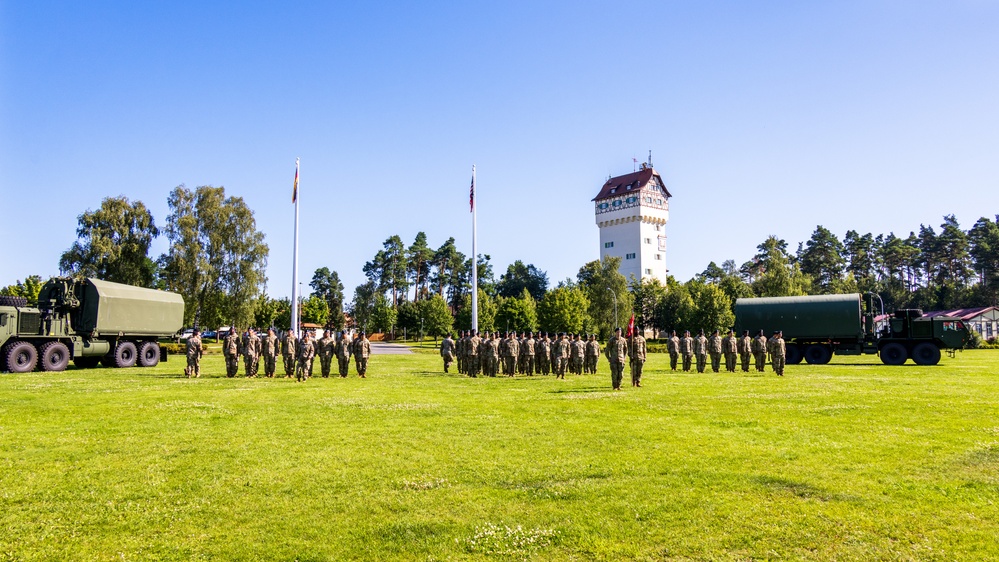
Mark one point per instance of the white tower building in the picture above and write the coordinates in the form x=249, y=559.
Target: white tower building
x=631, y=211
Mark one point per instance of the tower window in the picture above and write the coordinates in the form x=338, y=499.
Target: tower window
x=648, y=272
x=631, y=200
x=648, y=199
x=603, y=205
x=617, y=203
x=614, y=190
x=659, y=227
x=659, y=256
x=608, y=244
x=648, y=240
x=629, y=256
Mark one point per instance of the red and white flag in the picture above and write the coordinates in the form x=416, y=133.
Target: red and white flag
x=294, y=190
x=631, y=326
x=471, y=195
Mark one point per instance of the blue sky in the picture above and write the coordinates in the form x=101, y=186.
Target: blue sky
x=763, y=118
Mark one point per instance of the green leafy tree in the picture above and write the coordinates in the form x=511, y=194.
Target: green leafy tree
x=648, y=296
x=487, y=313
x=823, y=260
x=517, y=313
x=603, y=283
x=984, y=251
x=860, y=259
x=712, y=307
x=487, y=280
x=778, y=278
x=450, y=277
x=677, y=310
x=282, y=319
x=29, y=289
x=419, y=258
x=315, y=310
x=437, y=319
x=113, y=244
x=564, y=309
x=217, y=257
x=327, y=286
x=265, y=312
x=383, y=314
x=388, y=269
x=363, y=304
x=518, y=277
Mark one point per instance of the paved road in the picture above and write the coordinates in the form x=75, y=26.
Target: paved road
x=382, y=348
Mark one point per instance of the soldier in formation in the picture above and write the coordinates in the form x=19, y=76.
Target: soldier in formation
x=730, y=348
x=490, y=354
x=529, y=353
x=745, y=350
x=474, y=362
x=194, y=353
x=289, y=349
x=686, y=350
x=251, y=353
x=715, y=350
x=460, y=351
x=578, y=351
x=511, y=353
x=778, y=353
x=673, y=347
x=305, y=353
x=636, y=355
x=543, y=352
x=562, y=355
x=271, y=349
x=230, y=351
x=760, y=349
x=592, y=355
x=342, y=351
x=362, y=350
x=617, y=352
x=447, y=351
x=701, y=351
x=324, y=349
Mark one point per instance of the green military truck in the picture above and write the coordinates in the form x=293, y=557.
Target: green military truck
x=87, y=321
x=816, y=327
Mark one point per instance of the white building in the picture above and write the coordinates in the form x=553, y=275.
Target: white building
x=631, y=211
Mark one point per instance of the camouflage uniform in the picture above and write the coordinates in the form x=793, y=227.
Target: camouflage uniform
x=561, y=355
x=778, y=354
x=362, y=350
x=271, y=348
x=342, y=351
x=578, y=352
x=251, y=353
x=686, y=350
x=194, y=353
x=592, y=355
x=636, y=353
x=745, y=350
x=715, y=350
x=289, y=348
x=701, y=351
x=673, y=347
x=617, y=352
x=230, y=350
x=528, y=352
x=473, y=354
x=447, y=352
x=760, y=348
x=542, y=354
x=324, y=349
x=730, y=348
x=491, y=355
x=306, y=352
x=511, y=353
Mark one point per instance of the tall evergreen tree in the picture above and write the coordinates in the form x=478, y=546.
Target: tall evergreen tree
x=822, y=259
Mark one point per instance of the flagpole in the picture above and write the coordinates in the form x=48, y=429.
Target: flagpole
x=475, y=263
x=294, y=270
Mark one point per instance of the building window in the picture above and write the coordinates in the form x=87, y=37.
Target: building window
x=659, y=227
x=603, y=205
x=648, y=272
x=648, y=199
x=648, y=240
x=608, y=244
x=659, y=201
x=629, y=256
x=617, y=203
x=659, y=256
x=614, y=190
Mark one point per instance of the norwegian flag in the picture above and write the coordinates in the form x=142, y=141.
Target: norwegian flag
x=631, y=326
x=471, y=194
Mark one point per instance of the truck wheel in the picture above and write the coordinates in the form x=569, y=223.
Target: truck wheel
x=21, y=357
x=124, y=354
x=926, y=353
x=792, y=354
x=818, y=354
x=86, y=362
x=149, y=354
x=16, y=302
x=54, y=356
x=894, y=354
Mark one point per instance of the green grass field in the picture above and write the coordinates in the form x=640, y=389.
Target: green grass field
x=849, y=461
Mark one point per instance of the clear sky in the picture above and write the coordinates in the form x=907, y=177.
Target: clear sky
x=762, y=117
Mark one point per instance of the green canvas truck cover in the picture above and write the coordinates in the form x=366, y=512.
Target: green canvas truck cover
x=819, y=316
x=113, y=308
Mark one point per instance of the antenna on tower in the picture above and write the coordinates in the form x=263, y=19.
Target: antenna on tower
x=650, y=157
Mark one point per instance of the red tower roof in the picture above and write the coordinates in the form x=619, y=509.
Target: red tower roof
x=629, y=183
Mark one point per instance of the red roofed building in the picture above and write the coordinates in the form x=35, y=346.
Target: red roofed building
x=631, y=212
x=983, y=319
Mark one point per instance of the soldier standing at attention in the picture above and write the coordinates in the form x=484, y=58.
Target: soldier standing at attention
x=542, y=353
x=578, y=353
x=730, y=348
x=561, y=355
x=617, y=353
x=636, y=353
x=305, y=353
x=342, y=351
x=251, y=353
x=491, y=355
x=778, y=353
x=715, y=349
x=745, y=350
x=686, y=350
x=529, y=353
x=592, y=355
x=325, y=352
x=289, y=349
x=230, y=350
x=194, y=353
x=474, y=362
x=512, y=353
x=701, y=351
x=673, y=347
x=271, y=348
x=760, y=348
x=362, y=350
x=447, y=351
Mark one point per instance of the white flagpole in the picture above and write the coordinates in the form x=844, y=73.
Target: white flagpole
x=475, y=264
x=294, y=270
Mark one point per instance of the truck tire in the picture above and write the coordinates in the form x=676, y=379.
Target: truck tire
x=20, y=357
x=124, y=354
x=17, y=302
x=149, y=354
x=54, y=356
x=792, y=354
x=926, y=353
x=817, y=354
x=86, y=362
x=893, y=354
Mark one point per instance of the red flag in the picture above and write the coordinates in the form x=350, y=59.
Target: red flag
x=294, y=190
x=631, y=326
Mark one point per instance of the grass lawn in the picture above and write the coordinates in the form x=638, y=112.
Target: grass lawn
x=849, y=461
